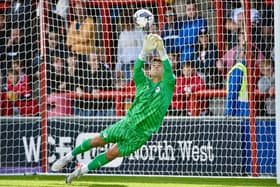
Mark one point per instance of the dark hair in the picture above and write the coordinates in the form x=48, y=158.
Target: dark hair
x=146, y=66
x=155, y=59
x=173, y=10
x=11, y=70
x=131, y=65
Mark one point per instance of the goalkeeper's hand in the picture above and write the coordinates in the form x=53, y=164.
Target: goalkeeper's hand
x=147, y=47
x=158, y=43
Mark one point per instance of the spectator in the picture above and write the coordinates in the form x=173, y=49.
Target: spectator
x=55, y=9
x=81, y=34
x=129, y=45
x=266, y=84
x=237, y=101
x=20, y=13
x=170, y=32
x=129, y=87
x=185, y=86
x=267, y=42
x=188, y=34
x=55, y=20
x=120, y=80
x=101, y=74
x=176, y=66
x=231, y=29
x=154, y=29
x=52, y=18
x=56, y=74
x=206, y=56
x=55, y=50
x=19, y=31
x=55, y=41
x=18, y=98
x=54, y=23
x=71, y=80
x=255, y=23
x=233, y=56
x=15, y=46
x=236, y=21
x=238, y=17
x=95, y=77
x=237, y=88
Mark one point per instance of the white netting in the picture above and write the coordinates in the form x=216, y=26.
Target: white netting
x=89, y=48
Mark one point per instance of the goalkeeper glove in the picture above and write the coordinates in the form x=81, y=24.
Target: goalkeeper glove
x=158, y=43
x=147, y=47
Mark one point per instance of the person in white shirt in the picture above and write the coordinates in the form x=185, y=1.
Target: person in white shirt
x=129, y=46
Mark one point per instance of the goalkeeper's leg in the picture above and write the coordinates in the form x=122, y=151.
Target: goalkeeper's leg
x=99, y=161
x=86, y=145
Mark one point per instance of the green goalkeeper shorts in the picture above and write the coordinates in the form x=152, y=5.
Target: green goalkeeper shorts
x=128, y=140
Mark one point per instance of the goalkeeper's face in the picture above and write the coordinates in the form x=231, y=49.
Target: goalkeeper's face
x=156, y=69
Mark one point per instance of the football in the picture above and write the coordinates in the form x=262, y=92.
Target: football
x=143, y=19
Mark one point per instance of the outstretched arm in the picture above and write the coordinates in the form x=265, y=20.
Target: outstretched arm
x=168, y=77
x=138, y=73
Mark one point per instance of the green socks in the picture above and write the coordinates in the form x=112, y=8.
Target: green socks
x=98, y=161
x=83, y=147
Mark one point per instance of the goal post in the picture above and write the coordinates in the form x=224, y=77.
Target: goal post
x=43, y=87
x=277, y=77
x=250, y=62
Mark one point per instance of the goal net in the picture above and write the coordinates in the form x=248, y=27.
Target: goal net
x=67, y=73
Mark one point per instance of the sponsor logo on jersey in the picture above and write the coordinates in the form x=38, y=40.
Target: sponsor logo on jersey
x=157, y=89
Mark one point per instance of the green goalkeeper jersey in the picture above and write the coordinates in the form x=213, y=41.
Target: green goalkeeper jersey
x=151, y=100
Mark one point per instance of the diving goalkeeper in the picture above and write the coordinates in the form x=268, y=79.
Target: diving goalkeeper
x=152, y=99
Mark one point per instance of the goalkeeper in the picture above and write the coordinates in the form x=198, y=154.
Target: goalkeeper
x=152, y=99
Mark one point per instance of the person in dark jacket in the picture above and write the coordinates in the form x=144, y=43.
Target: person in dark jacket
x=56, y=73
x=94, y=77
x=188, y=34
x=19, y=18
x=171, y=30
x=206, y=56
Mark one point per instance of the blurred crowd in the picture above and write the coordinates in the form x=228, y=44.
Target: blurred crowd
x=76, y=59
